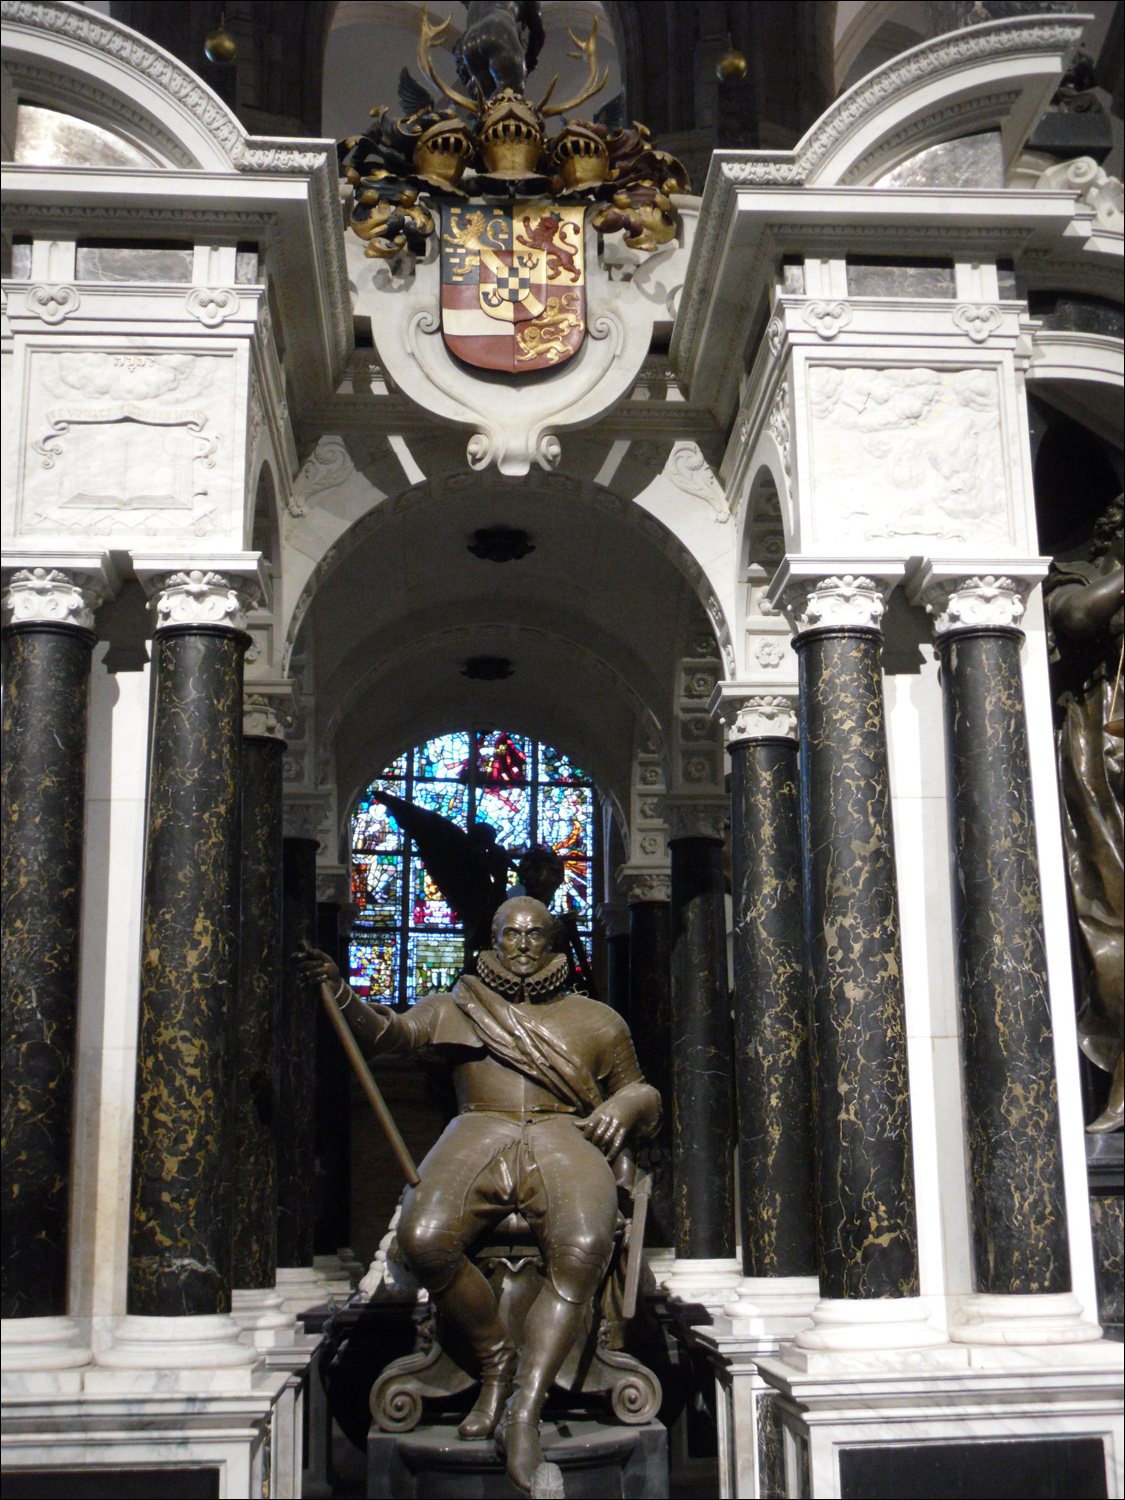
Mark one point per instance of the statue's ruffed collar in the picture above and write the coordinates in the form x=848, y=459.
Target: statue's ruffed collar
x=545, y=985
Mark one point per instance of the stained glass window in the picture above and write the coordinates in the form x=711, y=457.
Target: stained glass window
x=406, y=940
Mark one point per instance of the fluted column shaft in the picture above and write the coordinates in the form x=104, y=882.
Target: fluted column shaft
x=867, y=1232
x=650, y=1020
x=771, y=1001
x=297, y=1048
x=255, y=1068
x=180, y=1245
x=1012, y=1120
x=702, y=1047
x=46, y=689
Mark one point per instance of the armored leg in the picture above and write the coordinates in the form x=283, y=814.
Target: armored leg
x=456, y=1198
x=570, y=1198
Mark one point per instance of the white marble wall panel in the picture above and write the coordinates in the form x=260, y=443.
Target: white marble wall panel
x=140, y=441
x=109, y=993
x=917, y=769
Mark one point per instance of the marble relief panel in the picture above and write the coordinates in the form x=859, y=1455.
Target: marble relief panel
x=131, y=442
x=907, y=452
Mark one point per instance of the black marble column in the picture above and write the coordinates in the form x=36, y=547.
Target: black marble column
x=773, y=1080
x=46, y=687
x=180, y=1246
x=297, y=1049
x=255, y=1062
x=702, y=1054
x=867, y=1232
x=650, y=1020
x=1017, y=1192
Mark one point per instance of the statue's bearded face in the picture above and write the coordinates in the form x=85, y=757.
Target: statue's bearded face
x=523, y=943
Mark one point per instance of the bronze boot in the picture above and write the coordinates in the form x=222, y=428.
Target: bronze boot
x=548, y=1332
x=498, y=1368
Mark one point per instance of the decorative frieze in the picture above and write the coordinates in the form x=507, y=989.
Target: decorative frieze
x=260, y=717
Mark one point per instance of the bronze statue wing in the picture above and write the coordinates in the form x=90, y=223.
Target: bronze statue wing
x=453, y=862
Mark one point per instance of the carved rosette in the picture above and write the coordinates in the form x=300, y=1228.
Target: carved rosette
x=53, y=596
x=199, y=597
x=845, y=602
x=768, y=717
x=695, y=817
x=988, y=602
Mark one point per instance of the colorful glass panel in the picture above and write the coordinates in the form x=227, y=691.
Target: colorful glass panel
x=565, y=819
x=503, y=759
x=377, y=889
x=555, y=766
x=508, y=809
x=373, y=965
x=374, y=829
x=446, y=757
x=449, y=798
x=436, y=959
x=427, y=909
x=574, y=894
x=406, y=939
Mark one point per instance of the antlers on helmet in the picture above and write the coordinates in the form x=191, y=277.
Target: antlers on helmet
x=431, y=35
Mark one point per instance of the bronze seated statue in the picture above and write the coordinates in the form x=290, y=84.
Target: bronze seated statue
x=515, y=1228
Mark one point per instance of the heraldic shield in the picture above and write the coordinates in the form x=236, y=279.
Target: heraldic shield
x=513, y=284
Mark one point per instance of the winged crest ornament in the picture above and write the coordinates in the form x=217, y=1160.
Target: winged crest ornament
x=515, y=206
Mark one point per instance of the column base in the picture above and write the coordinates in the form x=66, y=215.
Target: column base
x=1015, y=1321
x=772, y=1305
x=872, y=1333
x=43, y=1355
x=303, y=1287
x=698, y=1282
x=260, y=1315
x=202, y=1353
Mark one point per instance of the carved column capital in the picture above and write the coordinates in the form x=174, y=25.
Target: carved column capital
x=759, y=716
x=262, y=717
x=643, y=883
x=216, y=591
x=841, y=594
x=199, y=597
x=66, y=594
x=959, y=598
x=695, y=817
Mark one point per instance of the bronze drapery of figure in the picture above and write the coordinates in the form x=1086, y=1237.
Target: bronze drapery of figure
x=1084, y=602
x=549, y=1093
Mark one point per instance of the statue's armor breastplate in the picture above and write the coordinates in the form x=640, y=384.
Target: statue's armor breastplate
x=486, y=1084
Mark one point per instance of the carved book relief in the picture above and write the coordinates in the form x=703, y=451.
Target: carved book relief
x=125, y=443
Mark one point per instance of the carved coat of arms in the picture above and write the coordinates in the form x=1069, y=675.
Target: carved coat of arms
x=513, y=284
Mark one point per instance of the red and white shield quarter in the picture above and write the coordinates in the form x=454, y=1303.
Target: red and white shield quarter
x=513, y=285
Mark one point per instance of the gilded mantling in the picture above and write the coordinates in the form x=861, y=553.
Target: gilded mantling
x=494, y=145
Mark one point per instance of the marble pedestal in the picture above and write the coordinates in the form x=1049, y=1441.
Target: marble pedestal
x=296, y=1361
x=161, y=1433
x=754, y=1326
x=928, y=1421
x=599, y=1460
x=697, y=1282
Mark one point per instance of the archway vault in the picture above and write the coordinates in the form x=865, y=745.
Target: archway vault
x=591, y=623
